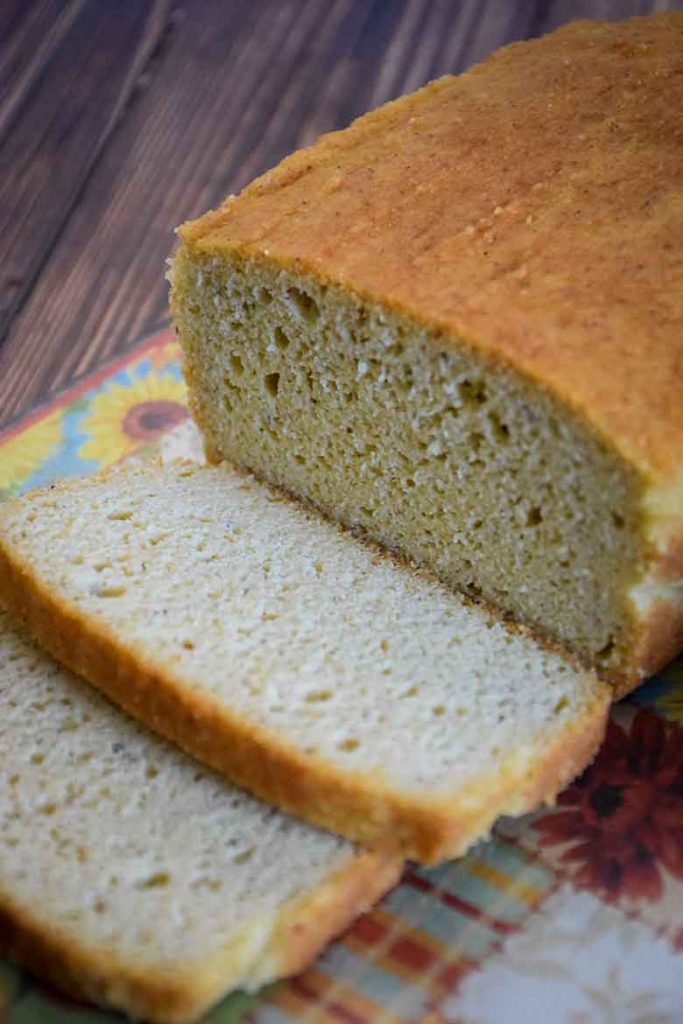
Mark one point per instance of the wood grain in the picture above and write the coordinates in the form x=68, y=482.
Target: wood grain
x=111, y=147
x=59, y=130
x=29, y=35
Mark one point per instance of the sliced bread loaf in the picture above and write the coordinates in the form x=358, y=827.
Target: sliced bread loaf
x=134, y=878
x=307, y=666
x=436, y=326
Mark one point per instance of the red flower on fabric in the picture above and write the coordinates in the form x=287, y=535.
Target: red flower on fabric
x=624, y=816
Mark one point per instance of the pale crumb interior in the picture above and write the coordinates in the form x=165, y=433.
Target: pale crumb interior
x=459, y=464
x=118, y=842
x=282, y=618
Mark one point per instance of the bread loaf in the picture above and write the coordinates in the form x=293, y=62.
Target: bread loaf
x=456, y=326
x=134, y=878
x=307, y=666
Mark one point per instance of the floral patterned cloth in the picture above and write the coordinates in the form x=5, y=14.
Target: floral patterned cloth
x=573, y=915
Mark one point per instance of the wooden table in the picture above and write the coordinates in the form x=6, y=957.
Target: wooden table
x=120, y=119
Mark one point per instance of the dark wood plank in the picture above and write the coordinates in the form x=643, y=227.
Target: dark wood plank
x=236, y=85
x=235, y=89
x=61, y=121
x=29, y=35
x=553, y=13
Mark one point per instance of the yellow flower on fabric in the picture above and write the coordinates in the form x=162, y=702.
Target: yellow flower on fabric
x=23, y=453
x=123, y=417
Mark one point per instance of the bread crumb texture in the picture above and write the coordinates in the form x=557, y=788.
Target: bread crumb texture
x=456, y=325
x=315, y=669
x=131, y=874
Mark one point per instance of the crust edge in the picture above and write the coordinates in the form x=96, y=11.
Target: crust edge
x=361, y=808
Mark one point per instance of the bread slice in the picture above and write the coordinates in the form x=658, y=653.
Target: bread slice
x=307, y=666
x=131, y=876
x=456, y=325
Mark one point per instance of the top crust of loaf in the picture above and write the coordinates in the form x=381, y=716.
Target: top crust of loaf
x=530, y=207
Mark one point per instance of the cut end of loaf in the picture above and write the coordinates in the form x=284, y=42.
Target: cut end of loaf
x=435, y=326
x=440, y=454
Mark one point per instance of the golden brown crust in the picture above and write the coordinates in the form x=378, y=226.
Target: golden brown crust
x=659, y=638
x=530, y=208
x=305, y=926
x=358, y=806
x=299, y=932
x=95, y=975
x=669, y=563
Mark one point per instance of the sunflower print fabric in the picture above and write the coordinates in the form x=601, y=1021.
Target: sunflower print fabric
x=131, y=412
x=24, y=451
x=572, y=915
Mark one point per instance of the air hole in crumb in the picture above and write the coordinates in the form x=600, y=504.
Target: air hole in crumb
x=237, y=365
x=349, y=744
x=109, y=590
x=534, y=516
x=302, y=304
x=501, y=431
x=151, y=771
x=243, y=856
x=264, y=296
x=280, y=338
x=476, y=440
x=37, y=759
x=188, y=645
x=120, y=515
x=101, y=907
x=439, y=710
x=472, y=393
x=412, y=692
x=560, y=706
x=272, y=383
x=156, y=881
x=384, y=644
x=618, y=520
x=300, y=459
x=605, y=652
x=318, y=696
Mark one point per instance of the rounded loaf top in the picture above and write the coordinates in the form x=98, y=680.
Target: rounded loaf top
x=531, y=208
